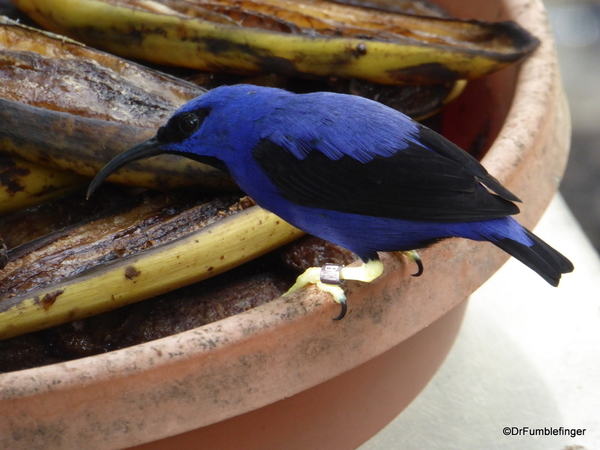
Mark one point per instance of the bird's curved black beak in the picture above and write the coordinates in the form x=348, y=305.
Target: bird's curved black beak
x=146, y=149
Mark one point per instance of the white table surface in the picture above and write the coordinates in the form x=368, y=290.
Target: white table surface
x=527, y=355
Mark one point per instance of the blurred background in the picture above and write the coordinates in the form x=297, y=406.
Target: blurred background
x=576, y=27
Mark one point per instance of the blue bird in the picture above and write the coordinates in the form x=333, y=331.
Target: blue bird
x=351, y=171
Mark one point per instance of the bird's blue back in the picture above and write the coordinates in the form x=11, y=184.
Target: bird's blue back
x=330, y=123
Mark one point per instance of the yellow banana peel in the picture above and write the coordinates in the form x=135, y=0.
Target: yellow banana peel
x=376, y=47
x=24, y=184
x=209, y=251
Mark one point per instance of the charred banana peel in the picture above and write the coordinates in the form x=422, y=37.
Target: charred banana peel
x=66, y=110
x=81, y=145
x=208, y=251
x=288, y=36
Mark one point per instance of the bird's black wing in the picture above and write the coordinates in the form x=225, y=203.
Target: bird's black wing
x=444, y=147
x=414, y=183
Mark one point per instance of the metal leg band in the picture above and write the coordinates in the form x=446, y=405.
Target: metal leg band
x=332, y=274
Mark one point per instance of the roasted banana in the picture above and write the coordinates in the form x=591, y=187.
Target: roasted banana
x=288, y=36
x=68, y=107
x=228, y=241
x=83, y=146
x=53, y=72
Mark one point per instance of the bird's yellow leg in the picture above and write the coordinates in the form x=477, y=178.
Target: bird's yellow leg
x=329, y=278
x=367, y=272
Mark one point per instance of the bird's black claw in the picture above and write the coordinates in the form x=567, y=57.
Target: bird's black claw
x=344, y=306
x=413, y=256
x=420, y=269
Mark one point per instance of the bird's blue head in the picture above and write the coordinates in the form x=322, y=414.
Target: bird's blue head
x=219, y=124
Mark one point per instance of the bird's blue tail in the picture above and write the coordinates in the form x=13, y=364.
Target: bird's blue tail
x=540, y=257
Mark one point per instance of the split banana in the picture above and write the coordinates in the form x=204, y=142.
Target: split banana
x=288, y=36
x=53, y=72
x=66, y=109
x=81, y=145
x=203, y=253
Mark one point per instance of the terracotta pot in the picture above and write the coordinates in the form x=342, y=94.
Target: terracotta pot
x=284, y=375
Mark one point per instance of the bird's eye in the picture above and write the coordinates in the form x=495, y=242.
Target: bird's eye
x=188, y=123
